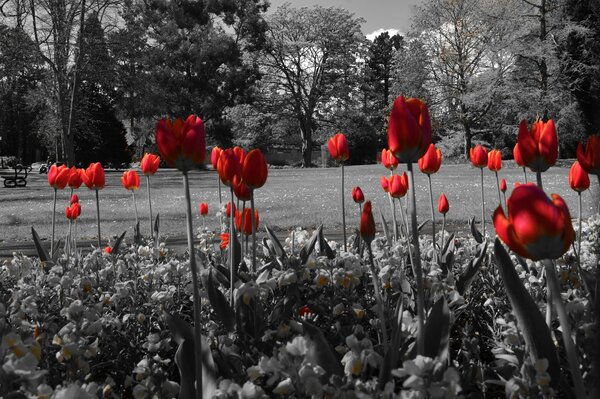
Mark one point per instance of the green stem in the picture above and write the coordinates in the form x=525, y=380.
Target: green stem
x=378, y=298
x=498, y=185
x=253, y=232
x=359, y=217
x=565, y=325
x=242, y=217
x=232, y=234
x=579, y=228
x=598, y=176
x=505, y=206
x=417, y=264
x=525, y=173
x=434, y=258
x=150, y=207
x=538, y=178
x=135, y=208
x=69, y=240
x=344, y=212
x=220, y=202
x=196, y=288
x=393, y=208
x=53, y=224
x=443, y=228
x=404, y=221
x=98, y=218
x=482, y=206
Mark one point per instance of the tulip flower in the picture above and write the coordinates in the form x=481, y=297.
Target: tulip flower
x=579, y=181
x=519, y=159
x=384, y=183
x=182, y=144
x=72, y=212
x=357, y=195
x=367, y=224
x=479, y=159
x=243, y=221
x=254, y=173
x=228, y=209
x=241, y=190
x=58, y=177
x=589, y=158
x=240, y=154
x=131, y=181
x=503, y=189
x=75, y=179
x=430, y=163
x=203, y=208
x=443, y=208
x=108, y=250
x=398, y=185
x=74, y=199
x=388, y=159
x=93, y=178
x=224, y=240
x=149, y=165
x=338, y=149
x=495, y=164
x=215, y=154
x=538, y=146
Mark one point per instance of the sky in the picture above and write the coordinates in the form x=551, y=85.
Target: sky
x=379, y=14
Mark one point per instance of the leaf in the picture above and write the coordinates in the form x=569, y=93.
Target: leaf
x=185, y=360
x=156, y=229
x=530, y=320
x=41, y=251
x=309, y=247
x=390, y=360
x=234, y=249
x=117, y=246
x=276, y=244
x=476, y=234
x=467, y=276
x=447, y=255
x=137, y=237
x=522, y=262
x=437, y=331
x=386, y=231
x=320, y=352
x=219, y=304
x=56, y=253
x=422, y=225
x=324, y=246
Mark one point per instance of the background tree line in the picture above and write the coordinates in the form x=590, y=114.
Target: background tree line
x=85, y=80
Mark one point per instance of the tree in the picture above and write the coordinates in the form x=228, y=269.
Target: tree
x=379, y=67
x=310, y=63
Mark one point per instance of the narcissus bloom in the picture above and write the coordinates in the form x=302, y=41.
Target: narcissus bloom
x=388, y=159
x=517, y=156
x=75, y=177
x=254, y=169
x=384, y=183
x=58, y=176
x=503, y=185
x=181, y=143
x=247, y=228
x=409, y=129
x=589, y=159
x=398, y=185
x=431, y=161
x=443, y=205
x=338, y=147
x=203, y=208
x=241, y=190
x=228, y=166
x=73, y=211
x=149, y=164
x=357, y=195
x=130, y=180
x=537, y=227
x=367, y=224
x=538, y=146
x=479, y=156
x=93, y=176
x=214, y=156
x=578, y=178
x=494, y=160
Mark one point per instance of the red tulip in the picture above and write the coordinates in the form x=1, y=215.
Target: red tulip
x=228, y=166
x=75, y=177
x=517, y=156
x=241, y=190
x=432, y=160
x=224, y=240
x=93, y=176
x=304, y=311
x=338, y=147
x=537, y=227
x=214, y=156
x=254, y=169
x=247, y=230
x=357, y=195
x=539, y=145
x=590, y=158
x=443, y=205
x=398, y=185
x=388, y=159
x=228, y=209
x=494, y=160
x=74, y=199
x=503, y=185
x=384, y=183
x=149, y=164
x=203, y=208
x=181, y=143
x=409, y=129
x=578, y=178
x=108, y=250
x=73, y=211
x=367, y=224
x=130, y=180
x=240, y=153
x=58, y=176
x=479, y=156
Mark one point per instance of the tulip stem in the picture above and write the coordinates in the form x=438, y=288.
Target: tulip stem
x=417, y=265
x=404, y=221
x=538, y=177
x=525, y=173
x=443, y=228
x=482, y=205
x=253, y=232
x=98, y=218
x=135, y=208
x=69, y=240
x=150, y=207
x=242, y=229
x=579, y=232
x=505, y=206
x=598, y=176
x=498, y=186
x=378, y=298
x=393, y=209
x=434, y=258
x=232, y=249
x=53, y=224
x=220, y=202
x=195, y=286
x=343, y=212
x=359, y=239
x=565, y=324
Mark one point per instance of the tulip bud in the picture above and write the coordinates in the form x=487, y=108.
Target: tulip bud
x=494, y=160
x=539, y=145
x=367, y=224
x=517, y=156
x=357, y=195
x=254, y=169
x=224, y=240
x=150, y=164
x=247, y=215
x=108, y=250
x=228, y=209
x=58, y=176
x=130, y=180
x=203, y=208
x=74, y=199
x=338, y=147
x=589, y=159
x=443, y=205
x=503, y=185
x=409, y=129
x=388, y=159
x=398, y=185
x=479, y=156
x=214, y=156
x=578, y=178
x=93, y=177
x=384, y=183
x=431, y=161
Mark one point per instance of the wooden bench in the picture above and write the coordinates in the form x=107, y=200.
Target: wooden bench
x=17, y=178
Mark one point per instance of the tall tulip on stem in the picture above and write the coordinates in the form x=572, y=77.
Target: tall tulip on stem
x=94, y=179
x=428, y=164
x=443, y=208
x=503, y=189
x=72, y=212
x=538, y=146
x=149, y=165
x=254, y=174
x=338, y=148
x=203, y=213
x=389, y=161
x=397, y=189
x=589, y=158
x=131, y=181
x=243, y=193
x=519, y=160
x=479, y=159
x=58, y=177
x=358, y=197
x=409, y=136
x=181, y=144
x=495, y=164
x=579, y=181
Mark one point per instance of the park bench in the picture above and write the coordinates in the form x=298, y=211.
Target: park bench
x=16, y=178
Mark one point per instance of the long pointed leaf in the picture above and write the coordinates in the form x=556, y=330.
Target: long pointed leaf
x=219, y=304
x=465, y=279
x=320, y=352
x=275, y=241
x=437, y=331
x=41, y=251
x=390, y=360
x=324, y=246
x=386, y=231
x=117, y=246
x=474, y=231
x=309, y=247
x=156, y=229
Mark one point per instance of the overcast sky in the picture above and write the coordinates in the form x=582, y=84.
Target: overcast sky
x=378, y=14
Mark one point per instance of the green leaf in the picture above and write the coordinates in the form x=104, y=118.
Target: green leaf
x=234, y=249
x=156, y=229
x=390, y=360
x=117, y=246
x=309, y=247
x=324, y=246
x=276, y=244
x=422, y=225
x=476, y=233
x=467, y=276
x=41, y=251
x=56, y=253
x=437, y=331
x=219, y=304
x=320, y=352
x=531, y=322
x=386, y=231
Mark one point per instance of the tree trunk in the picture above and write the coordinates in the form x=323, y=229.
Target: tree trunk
x=468, y=138
x=307, y=144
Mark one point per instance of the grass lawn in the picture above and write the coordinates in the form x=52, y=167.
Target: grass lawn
x=290, y=198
